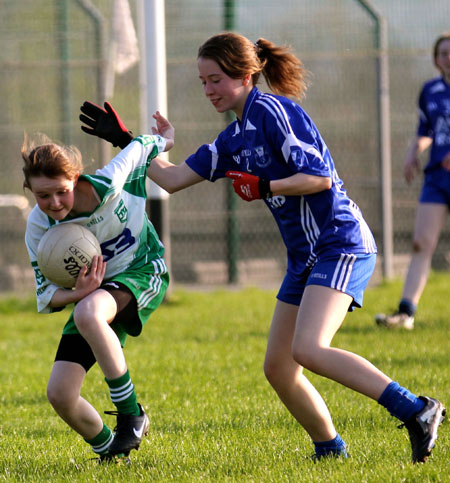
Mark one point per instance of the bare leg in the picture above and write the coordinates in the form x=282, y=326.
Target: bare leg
x=430, y=219
x=63, y=392
x=321, y=313
x=92, y=317
x=287, y=378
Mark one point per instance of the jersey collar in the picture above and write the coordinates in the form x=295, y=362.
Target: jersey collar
x=254, y=93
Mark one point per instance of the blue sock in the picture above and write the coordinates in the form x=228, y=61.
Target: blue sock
x=336, y=446
x=407, y=307
x=400, y=402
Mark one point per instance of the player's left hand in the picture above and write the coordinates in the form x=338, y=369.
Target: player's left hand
x=105, y=123
x=248, y=186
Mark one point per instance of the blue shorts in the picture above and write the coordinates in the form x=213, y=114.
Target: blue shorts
x=348, y=273
x=436, y=187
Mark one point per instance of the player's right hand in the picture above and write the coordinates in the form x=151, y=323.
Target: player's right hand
x=411, y=168
x=105, y=123
x=90, y=280
x=248, y=186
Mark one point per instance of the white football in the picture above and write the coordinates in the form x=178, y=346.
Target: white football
x=63, y=250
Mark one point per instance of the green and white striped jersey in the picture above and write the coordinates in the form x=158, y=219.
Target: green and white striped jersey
x=127, y=237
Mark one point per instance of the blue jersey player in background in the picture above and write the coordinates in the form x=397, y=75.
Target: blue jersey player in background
x=433, y=130
x=274, y=152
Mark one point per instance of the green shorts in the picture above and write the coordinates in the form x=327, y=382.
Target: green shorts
x=148, y=284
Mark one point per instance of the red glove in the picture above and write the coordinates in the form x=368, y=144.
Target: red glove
x=105, y=123
x=248, y=186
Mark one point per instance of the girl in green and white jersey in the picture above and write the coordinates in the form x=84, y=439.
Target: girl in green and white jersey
x=116, y=297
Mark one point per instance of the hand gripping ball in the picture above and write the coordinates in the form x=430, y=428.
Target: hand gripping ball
x=63, y=250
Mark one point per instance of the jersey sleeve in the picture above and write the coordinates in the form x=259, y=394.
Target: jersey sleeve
x=212, y=161
x=129, y=165
x=424, y=127
x=152, y=145
x=44, y=288
x=204, y=161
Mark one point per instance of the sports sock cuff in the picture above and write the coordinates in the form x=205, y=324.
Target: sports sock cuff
x=334, y=446
x=123, y=394
x=101, y=442
x=407, y=307
x=400, y=402
x=118, y=382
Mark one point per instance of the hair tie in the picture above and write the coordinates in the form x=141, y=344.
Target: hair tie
x=260, y=52
x=258, y=48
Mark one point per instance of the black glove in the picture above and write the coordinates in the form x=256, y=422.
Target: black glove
x=105, y=124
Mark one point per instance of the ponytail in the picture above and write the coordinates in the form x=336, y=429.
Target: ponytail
x=283, y=71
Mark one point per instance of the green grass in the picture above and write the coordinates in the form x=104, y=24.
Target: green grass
x=197, y=368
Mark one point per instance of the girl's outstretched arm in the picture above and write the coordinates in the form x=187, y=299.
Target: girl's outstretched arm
x=172, y=177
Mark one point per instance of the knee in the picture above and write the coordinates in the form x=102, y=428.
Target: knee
x=305, y=356
x=58, y=398
x=277, y=370
x=83, y=316
x=271, y=370
x=423, y=245
x=417, y=246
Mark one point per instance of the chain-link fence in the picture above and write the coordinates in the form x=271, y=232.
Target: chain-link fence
x=51, y=61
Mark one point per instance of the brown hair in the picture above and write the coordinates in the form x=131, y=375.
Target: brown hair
x=437, y=43
x=237, y=56
x=42, y=157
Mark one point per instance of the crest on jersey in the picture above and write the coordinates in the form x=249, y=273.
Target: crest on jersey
x=121, y=212
x=446, y=106
x=262, y=158
x=442, y=131
x=40, y=278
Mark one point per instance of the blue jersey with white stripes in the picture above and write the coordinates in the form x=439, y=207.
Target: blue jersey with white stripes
x=276, y=139
x=434, y=119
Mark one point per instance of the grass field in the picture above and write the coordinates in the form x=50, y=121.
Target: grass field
x=197, y=368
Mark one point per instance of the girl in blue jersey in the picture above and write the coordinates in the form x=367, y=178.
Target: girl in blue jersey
x=433, y=130
x=274, y=152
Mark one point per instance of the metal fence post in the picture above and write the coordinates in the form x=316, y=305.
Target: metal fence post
x=384, y=129
x=232, y=222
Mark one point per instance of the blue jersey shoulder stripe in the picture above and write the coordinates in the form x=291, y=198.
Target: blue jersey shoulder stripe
x=276, y=108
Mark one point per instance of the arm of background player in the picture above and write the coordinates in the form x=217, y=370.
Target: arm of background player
x=172, y=177
x=411, y=165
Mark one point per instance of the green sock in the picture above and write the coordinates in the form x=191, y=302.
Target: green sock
x=101, y=442
x=122, y=395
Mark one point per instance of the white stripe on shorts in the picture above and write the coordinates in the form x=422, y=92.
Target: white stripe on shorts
x=155, y=284
x=343, y=271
